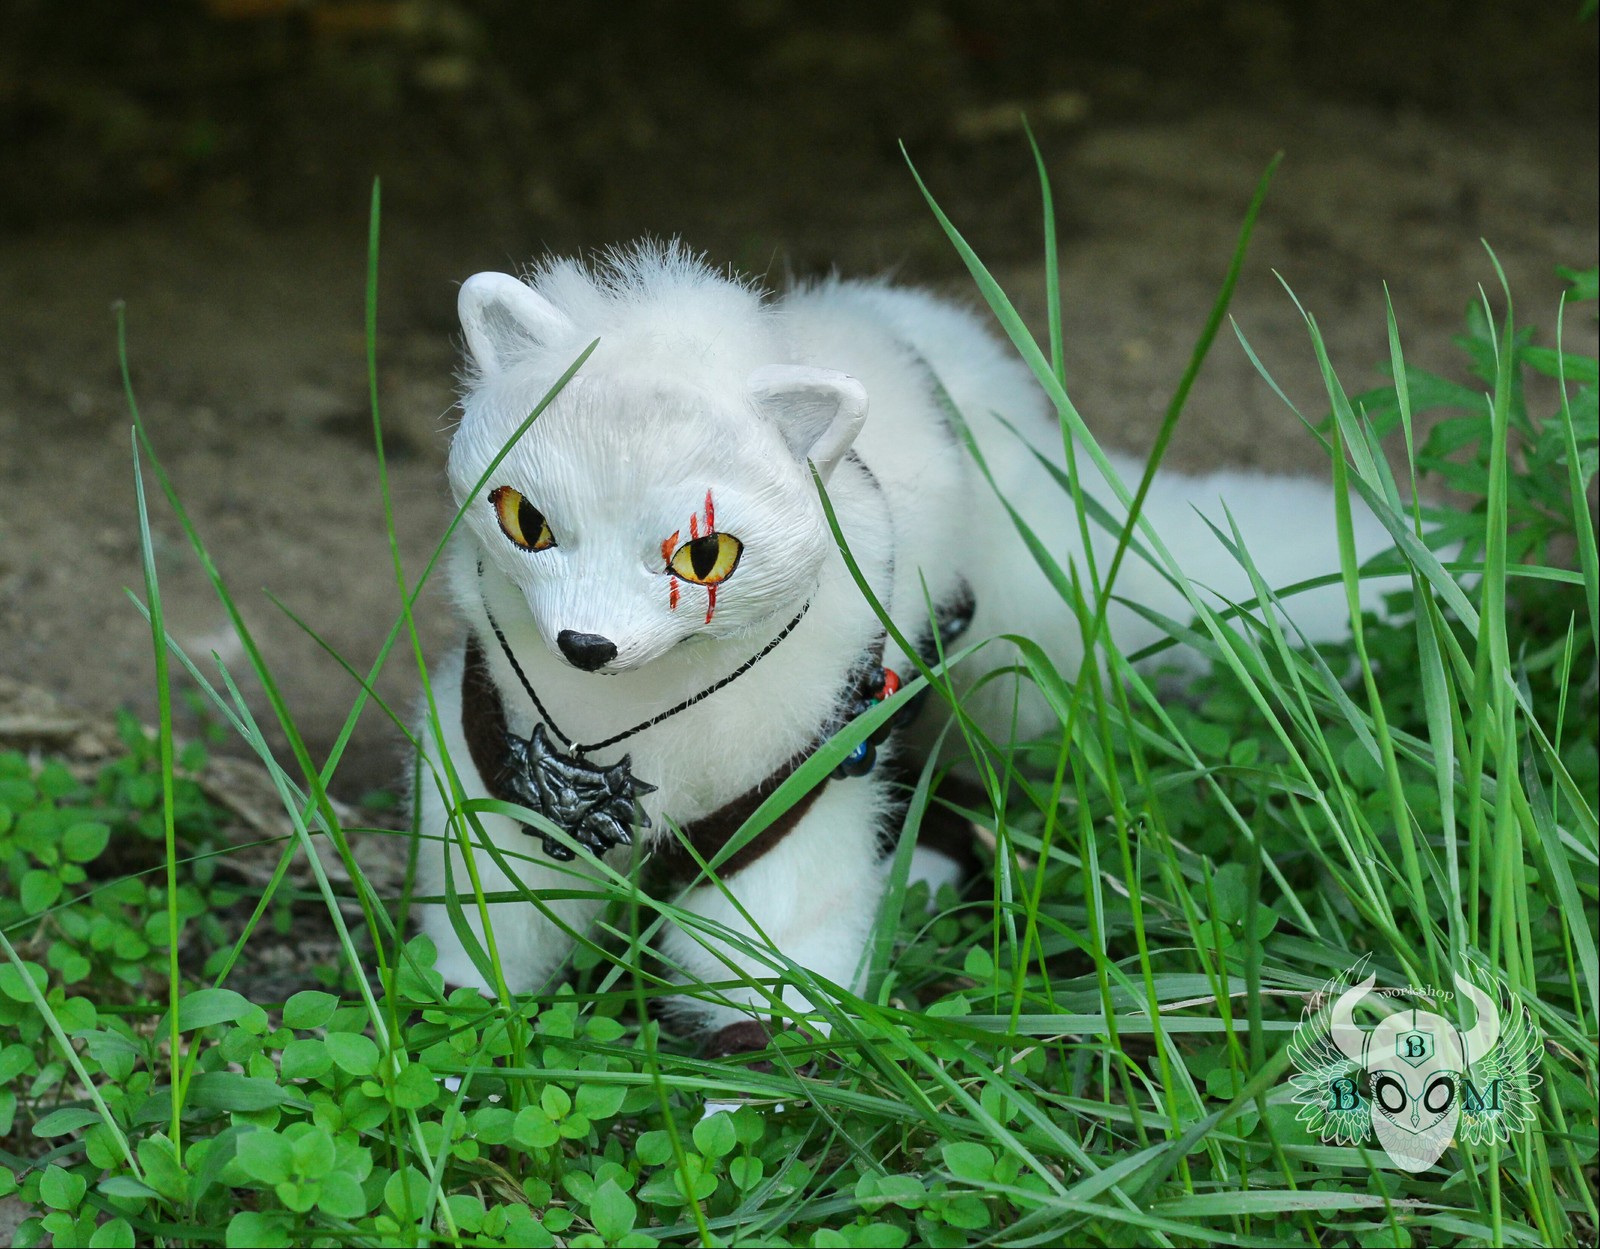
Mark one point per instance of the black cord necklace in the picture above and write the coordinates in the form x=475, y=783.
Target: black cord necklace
x=597, y=806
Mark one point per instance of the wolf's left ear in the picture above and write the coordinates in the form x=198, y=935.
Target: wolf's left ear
x=818, y=412
x=502, y=317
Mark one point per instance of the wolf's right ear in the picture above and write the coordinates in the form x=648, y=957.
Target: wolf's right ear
x=819, y=412
x=503, y=317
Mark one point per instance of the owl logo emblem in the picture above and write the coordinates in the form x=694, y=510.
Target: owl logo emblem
x=1417, y=1080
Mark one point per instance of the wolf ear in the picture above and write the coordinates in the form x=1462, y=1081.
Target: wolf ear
x=503, y=317
x=818, y=412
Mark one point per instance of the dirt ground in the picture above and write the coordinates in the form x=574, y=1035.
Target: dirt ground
x=245, y=330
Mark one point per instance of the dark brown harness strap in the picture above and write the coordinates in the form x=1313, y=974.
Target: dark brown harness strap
x=710, y=833
x=483, y=719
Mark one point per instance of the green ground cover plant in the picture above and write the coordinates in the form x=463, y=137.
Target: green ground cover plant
x=1088, y=1046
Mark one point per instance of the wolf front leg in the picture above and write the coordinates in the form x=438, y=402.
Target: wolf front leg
x=529, y=943
x=809, y=901
x=530, y=939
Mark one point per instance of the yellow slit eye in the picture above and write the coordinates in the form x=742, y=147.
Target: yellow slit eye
x=707, y=560
x=520, y=521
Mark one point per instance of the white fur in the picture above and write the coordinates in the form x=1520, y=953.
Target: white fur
x=934, y=869
x=700, y=382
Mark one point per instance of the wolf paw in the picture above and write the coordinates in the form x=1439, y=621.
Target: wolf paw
x=744, y=1037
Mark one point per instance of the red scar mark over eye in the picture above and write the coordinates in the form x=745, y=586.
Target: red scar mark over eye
x=668, y=546
x=711, y=528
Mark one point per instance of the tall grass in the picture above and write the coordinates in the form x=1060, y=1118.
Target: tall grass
x=1088, y=1046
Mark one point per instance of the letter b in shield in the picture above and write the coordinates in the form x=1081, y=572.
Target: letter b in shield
x=1414, y=1048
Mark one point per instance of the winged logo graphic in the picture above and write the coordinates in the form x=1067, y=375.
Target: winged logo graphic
x=1416, y=1080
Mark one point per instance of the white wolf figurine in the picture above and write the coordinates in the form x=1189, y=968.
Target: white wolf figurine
x=659, y=624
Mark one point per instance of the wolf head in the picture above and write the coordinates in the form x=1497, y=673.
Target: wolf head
x=665, y=494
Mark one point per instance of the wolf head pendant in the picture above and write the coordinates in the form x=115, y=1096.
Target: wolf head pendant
x=597, y=806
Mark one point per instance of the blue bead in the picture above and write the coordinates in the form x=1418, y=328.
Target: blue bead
x=858, y=762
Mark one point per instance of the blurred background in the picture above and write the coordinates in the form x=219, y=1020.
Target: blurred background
x=210, y=164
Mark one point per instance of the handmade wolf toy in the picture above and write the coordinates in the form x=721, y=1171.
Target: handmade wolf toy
x=660, y=626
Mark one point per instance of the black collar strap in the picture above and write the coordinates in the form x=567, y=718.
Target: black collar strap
x=484, y=724
x=580, y=750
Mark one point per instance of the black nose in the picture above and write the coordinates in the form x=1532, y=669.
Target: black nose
x=586, y=650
